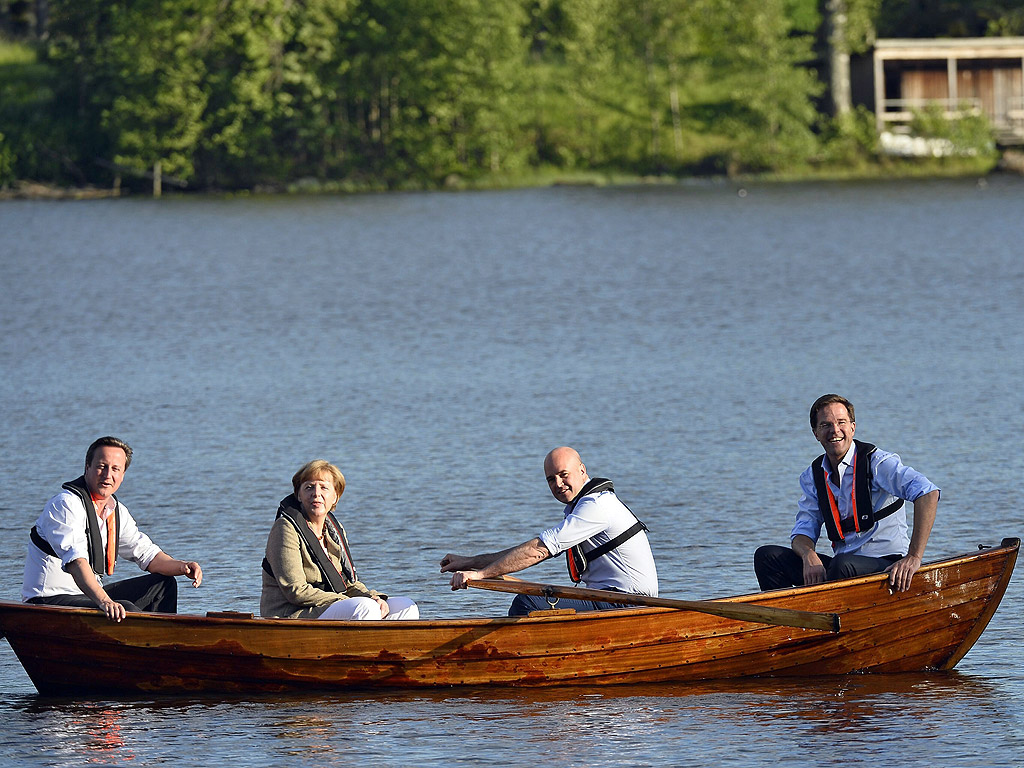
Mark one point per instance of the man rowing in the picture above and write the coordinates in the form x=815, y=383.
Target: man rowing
x=857, y=493
x=81, y=532
x=606, y=546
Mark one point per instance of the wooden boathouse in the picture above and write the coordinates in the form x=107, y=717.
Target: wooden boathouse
x=980, y=75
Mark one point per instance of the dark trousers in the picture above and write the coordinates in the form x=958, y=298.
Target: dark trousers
x=780, y=567
x=152, y=593
x=524, y=604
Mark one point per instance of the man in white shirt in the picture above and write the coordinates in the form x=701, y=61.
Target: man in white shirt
x=856, y=492
x=81, y=532
x=606, y=545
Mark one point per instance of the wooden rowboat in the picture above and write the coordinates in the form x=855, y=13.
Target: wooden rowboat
x=931, y=626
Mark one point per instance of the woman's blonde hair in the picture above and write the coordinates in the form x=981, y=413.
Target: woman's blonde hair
x=315, y=469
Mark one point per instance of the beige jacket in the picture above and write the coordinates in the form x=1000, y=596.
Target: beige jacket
x=289, y=593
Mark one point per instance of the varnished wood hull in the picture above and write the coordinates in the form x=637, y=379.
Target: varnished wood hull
x=73, y=651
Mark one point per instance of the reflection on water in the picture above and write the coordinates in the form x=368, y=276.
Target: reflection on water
x=686, y=725
x=102, y=736
x=313, y=736
x=93, y=734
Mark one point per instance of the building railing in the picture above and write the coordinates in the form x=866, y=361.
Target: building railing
x=901, y=111
x=1015, y=110
x=897, y=114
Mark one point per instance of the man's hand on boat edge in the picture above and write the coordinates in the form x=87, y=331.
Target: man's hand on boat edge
x=901, y=573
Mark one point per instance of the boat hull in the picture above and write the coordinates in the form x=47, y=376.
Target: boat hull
x=932, y=626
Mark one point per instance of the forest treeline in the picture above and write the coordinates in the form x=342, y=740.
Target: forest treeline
x=235, y=94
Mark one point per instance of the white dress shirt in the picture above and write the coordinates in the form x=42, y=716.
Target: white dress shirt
x=598, y=518
x=63, y=525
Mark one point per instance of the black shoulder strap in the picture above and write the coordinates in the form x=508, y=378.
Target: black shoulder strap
x=862, y=484
x=289, y=509
x=92, y=524
x=832, y=526
x=594, y=485
x=622, y=538
x=41, y=543
x=863, y=479
x=597, y=485
x=337, y=532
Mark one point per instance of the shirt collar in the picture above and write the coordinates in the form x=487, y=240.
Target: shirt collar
x=846, y=461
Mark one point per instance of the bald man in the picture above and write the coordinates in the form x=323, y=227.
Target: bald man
x=606, y=545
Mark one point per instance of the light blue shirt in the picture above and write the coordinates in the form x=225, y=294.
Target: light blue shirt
x=891, y=480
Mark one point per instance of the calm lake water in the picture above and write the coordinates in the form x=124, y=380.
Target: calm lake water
x=435, y=346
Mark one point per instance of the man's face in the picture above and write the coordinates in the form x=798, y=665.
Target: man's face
x=835, y=431
x=565, y=474
x=104, y=474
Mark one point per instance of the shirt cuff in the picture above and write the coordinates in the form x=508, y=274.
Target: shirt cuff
x=71, y=555
x=548, y=539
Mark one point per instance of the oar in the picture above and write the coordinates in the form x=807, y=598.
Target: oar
x=761, y=614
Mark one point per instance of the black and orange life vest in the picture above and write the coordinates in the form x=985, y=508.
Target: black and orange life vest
x=98, y=559
x=864, y=516
x=576, y=560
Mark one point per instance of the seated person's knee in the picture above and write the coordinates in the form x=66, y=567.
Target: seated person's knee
x=840, y=568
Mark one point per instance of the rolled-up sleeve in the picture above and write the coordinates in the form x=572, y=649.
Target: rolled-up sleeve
x=898, y=479
x=62, y=524
x=584, y=522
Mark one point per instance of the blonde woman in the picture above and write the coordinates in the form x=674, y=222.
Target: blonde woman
x=308, y=570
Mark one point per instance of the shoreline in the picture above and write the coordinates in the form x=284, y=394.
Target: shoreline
x=31, y=190
x=1011, y=161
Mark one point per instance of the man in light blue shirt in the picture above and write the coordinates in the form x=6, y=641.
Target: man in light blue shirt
x=857, y=493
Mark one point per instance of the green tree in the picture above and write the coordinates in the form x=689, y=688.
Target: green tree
x=403, y=90
x=764, y=92
x=950, y=18
x=233, y=92
x=33, y=144
x=657, y=86
x=389, y=93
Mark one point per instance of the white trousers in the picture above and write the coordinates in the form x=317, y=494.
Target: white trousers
x=366, y=609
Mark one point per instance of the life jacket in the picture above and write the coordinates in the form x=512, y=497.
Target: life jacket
x=333, y=579
x=97, y=554
x=864, y=516
x=576, y=560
